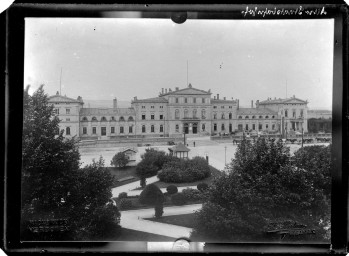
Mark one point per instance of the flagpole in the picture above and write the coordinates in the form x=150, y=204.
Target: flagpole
x=60, y=83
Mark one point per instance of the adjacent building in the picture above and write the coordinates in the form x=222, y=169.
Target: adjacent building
x=174, y=112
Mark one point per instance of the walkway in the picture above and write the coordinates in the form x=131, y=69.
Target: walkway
x=131, y=186
x=134, y=219
x=138, y=192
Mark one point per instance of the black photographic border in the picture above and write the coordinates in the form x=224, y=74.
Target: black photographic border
x=12, y=22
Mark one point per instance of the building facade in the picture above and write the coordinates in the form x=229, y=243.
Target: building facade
x=174, y=112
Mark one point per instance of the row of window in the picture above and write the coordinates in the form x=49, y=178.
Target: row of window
x=247, y=127
x=56, y=111
x=186, y=113
x=104, y=119
x=190, y=100
x=153, y=107
x=104, y=130
x=152, y=128
x=293, y=113
x=253, y=117
x=223, y=106
x=152, y=117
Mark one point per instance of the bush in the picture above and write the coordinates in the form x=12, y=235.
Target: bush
x=172, y=189
x=180, y=170
x=125, y=204
x=159, y=210
x=178, y=199
x=202, y=186
x=151, y=195
x=192, y=194
x=122, y=195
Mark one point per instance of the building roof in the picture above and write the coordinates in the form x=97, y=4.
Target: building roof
x=187, y=91
x=107, y=111
x=255, y=111
x=129, y=149
x=180, y=147
x=293, y=100
x=64, y=99
x=213, y=101
x=151, y=100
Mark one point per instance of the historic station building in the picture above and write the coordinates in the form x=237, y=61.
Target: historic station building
x=174, y=112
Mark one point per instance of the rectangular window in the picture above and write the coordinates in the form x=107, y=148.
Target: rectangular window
x=67, y=119
x=215, y=127
x=103, y=131
x=266, y=126
x=56, y=111
x=246, y=127
x=67, y=110
x=161, y=128
x=161, y=117
x=185, y=100
x=121, y=129
x=222, y=106
x=112, y=129
x=301, y=113
x=203, y=100
x=194, y=100
x=294, y=114
x=214, y=106
x=273, y=127
x=130, y=129
x=151, y=106
x=253, y=127
x=143, y=106
x=152, y=117
x=161, y=106
x=67, y=130
x=176, y=100
x=94, y=130
x=84, y=130
x=152, y=128
x=260, y=127
x=143, y=117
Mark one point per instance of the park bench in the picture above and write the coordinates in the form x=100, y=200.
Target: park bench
x=126, y=178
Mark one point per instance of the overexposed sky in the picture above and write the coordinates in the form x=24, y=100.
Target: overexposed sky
x=103, y=58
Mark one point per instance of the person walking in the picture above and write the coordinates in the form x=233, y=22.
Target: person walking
x=194, y=144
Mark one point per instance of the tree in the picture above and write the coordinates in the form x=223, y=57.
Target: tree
x=53, y=185
x=262, y=187
x=152, y=195
x=119, y=160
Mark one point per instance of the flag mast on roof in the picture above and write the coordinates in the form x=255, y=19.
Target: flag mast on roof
x=60, y=83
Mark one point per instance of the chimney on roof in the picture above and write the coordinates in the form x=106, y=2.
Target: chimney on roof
x=209, y=91
x=166, y=90
x=177, y=88
x=251, y=103
x=135, y=98
x=57, y=93
x=217, y=96
x=237, y=103
x=189, y=85
x=115, y=103
x=224, y=98
x=162, y=90
x=294, y=96
x=257, y=103
x=214, y=97
x=170, y=90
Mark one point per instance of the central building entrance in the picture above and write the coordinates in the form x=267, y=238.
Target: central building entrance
x=190, y=128
x=186, y=128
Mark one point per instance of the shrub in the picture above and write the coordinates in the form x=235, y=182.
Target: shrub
x=122, y=195
x=179, y=170
x=202, y=186
x=151, y=195
x=125, y=204
x=159, y=210
x=172, y=189
x=192, y=194
x=178, y=199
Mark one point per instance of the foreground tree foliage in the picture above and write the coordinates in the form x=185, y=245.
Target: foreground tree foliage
x=262, y=187
x=53, y=185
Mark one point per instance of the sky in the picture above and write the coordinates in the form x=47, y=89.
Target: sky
x=103, y=58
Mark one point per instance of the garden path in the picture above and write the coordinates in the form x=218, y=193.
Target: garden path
x=131, y=186
x=134, y=219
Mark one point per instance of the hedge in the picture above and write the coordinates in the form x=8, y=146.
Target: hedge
x=172, y=189
x=178, y=199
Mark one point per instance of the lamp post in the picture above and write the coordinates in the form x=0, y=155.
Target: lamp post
x=225, y=155
x=301, y=120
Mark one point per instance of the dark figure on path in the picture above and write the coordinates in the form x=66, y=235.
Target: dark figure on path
x=194, y=144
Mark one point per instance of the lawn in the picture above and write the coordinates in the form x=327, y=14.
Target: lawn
x=119, y=173
x=214, y=173
x=184, y=220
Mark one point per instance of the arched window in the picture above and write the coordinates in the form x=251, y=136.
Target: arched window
x=152, y=128
x=121, y=118
x=103, y=118
x=67, y=131
x=266, y=116
x=177, y=114
x=203, y=114
x=223, y=116
x=130, y=118
x=185, y=113
x=230, y=115
x=246, y=117
x=253, y=117
x=112, y=118
x=240, y=117
x=84, y=118
x=94, y=118
x=194, y=112
x=143, y=128
x=177, y=128
x=261, y=117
